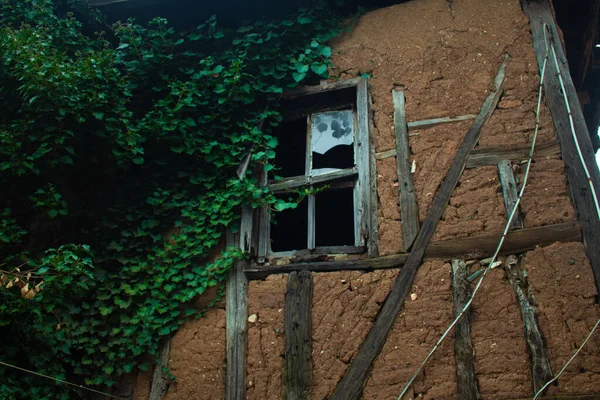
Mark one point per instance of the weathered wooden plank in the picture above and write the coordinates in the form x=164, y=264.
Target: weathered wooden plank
x=362, y=189
x=585, y=397
x=509, y=193
x=298, y=335
x=310, y=240
x=159, y=382
x=264, y=226
x=318, y=251
x=409, y=212
x=373, y=244
x=464, y=353
x=352, y=383
x=326, y=87
x=299, y=181
x=428, y=123
x=236, y=314
x=493, y=155
x=541, y=371
x=540, y=15
x=517, y=241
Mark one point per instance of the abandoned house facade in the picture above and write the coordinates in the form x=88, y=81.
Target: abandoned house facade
x=413, y=154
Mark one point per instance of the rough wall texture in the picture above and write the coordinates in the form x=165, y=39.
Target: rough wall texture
x=417, y=328
x=197, y=355
x=561, y=280
x=344, y=307
x=501, y=361
x=266, y=301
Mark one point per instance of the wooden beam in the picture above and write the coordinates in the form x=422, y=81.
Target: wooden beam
x=351, y=385
x=409, y=212
x=566, y=397
x=159, y=382
x=540, y=16
x=373, y=243
x=298, y=335
x=299, y=181
x=541, y=372
x=428, y=123
x=464, y=352
x=518, y=241
x=326, y=87
x=362, y=194
x=493, y=155
x=236, y=313
x=509, y=193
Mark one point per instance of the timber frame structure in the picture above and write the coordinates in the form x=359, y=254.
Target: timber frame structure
x=417, y=243
x=417, y=239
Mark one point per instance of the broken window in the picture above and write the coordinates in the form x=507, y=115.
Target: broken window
x=323, y=150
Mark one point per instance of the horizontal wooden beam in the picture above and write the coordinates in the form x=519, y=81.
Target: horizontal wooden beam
x=428, y=123
x=584, y=397
x=518, y=241
x=299, y=181
x=326, y=87
x=493, y=155
x=318, y=251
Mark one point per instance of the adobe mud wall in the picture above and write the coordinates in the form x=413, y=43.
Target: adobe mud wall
x=445, y=54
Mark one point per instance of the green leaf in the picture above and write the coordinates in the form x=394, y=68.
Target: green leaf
x=298, y=76
x=319, y=69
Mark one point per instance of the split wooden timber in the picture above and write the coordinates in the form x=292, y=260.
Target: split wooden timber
x=409, y=212
x=298, y=335
x=351, y=385
x=509, y=192
x=159, y=382
x=541, y=371
x=373, y=245
x=463, y=345
x=326, y=87
x=237, y=314
x=493, y=155
x=299, y=181
x=585, y=397
x=540, y=15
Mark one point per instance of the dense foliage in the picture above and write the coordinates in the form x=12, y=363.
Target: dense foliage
x=117, y=173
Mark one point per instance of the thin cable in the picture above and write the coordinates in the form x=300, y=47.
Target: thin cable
x=568, y=362
x=60, y=380
x=572, y=125
x=499, y=247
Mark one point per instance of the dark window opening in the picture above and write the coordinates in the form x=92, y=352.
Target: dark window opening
x=334, y=217
x=301, y=107
x=289, y=228
x=290, y=154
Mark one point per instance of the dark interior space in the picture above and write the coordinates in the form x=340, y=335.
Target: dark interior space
x=334, y=214
x=289, y=228
x=341, y=156
x=334, y=100
x=290, y=158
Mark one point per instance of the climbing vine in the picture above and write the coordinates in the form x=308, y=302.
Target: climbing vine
x=118, y=157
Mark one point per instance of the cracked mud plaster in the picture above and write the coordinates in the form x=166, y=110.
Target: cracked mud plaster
x=446, y=57
x=344, y=307
x=562, y=283
x=501, y=361
x=418, y=326
x=266, y=300
x=197, y=354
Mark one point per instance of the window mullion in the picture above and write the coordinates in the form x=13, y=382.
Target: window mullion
x=310, y=240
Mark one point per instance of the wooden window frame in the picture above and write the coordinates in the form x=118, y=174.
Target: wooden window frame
x=363, y=181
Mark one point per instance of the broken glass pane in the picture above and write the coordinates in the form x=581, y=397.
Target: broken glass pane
x=332, y=140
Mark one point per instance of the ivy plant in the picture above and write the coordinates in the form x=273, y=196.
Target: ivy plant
x=118, y=157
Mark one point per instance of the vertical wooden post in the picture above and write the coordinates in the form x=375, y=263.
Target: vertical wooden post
x=237, y=314
x=541, y=17
x=509, y=192
x=409, y=212
x=159, y=383
x=541, y=371
x=298, y=335
x=463, y=345
x=373, y=230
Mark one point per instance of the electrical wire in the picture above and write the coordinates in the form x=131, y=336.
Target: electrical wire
x=539, y=392
x=60, y=381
